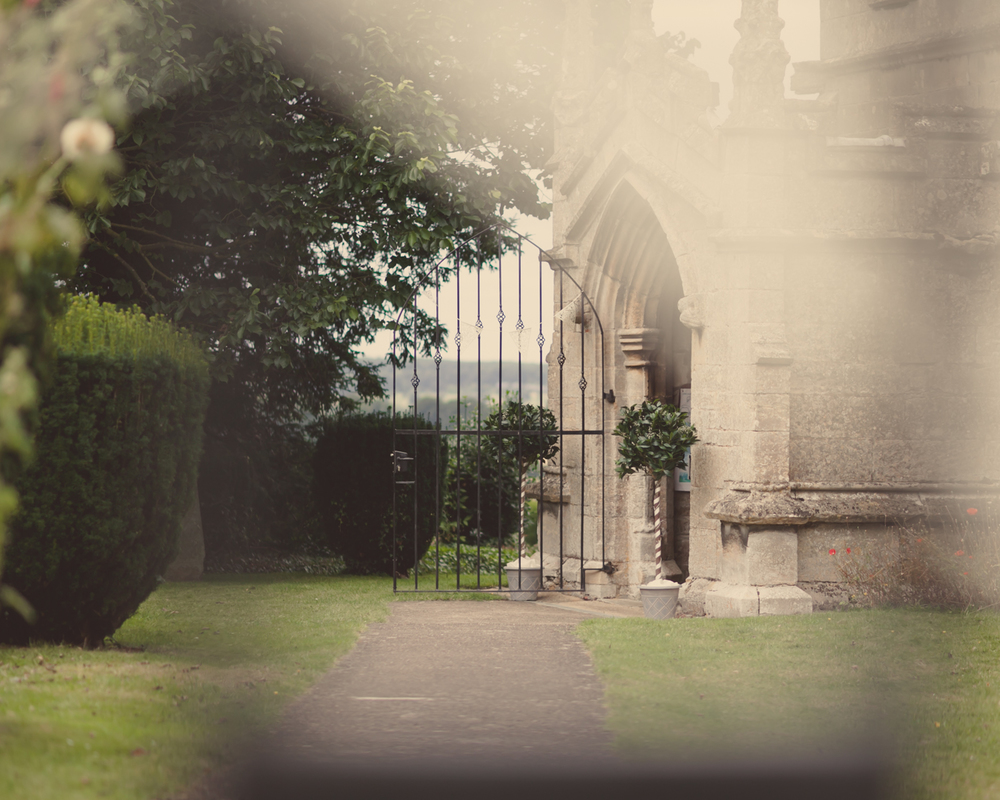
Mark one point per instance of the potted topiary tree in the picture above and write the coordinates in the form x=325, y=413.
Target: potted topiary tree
x=532, y=440
x=655, y=440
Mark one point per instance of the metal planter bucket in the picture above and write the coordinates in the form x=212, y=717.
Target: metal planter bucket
x=524, y=583
x=659, y=601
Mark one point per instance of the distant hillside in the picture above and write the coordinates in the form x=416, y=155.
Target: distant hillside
x=492, y=379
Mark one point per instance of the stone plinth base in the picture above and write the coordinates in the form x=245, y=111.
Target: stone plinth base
x=729, y=600
x=778, y=601
x=599, y=584
x=691, y=600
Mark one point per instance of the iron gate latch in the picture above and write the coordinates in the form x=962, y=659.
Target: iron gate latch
x=401, y=461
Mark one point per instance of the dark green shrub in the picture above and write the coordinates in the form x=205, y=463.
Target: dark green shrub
x=480, y=491
x=484, y=560
x=354, y=491
x=116, y=456
x=255, y=486
x=528, y=445
x=483, y=477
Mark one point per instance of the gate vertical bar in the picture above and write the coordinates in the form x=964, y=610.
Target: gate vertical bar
x=437, y=425
x=500, y=444
x=415, y=381
x=562, y=418
x=604, y=453
x=395, y=448
x=583, y=443
x=519, y=335
x=458, y=424
x=479, y=409
x=541, y=355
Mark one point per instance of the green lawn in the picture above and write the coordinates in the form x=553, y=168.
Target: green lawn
x=203, y=665
x=926, y=684
x=213, y=661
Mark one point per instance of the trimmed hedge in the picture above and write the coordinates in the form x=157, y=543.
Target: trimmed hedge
x=353, y=490
x=116, y=458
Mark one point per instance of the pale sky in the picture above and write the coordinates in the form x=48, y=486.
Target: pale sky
x=711, y=23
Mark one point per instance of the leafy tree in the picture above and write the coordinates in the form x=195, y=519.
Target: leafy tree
x=288, y=174
x=291, y=168
x=487, y=464
x=655, y=439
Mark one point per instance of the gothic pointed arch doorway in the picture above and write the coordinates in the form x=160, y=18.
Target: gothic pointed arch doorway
x=640, y=286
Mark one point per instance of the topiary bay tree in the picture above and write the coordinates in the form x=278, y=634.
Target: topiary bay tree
x=655, y=438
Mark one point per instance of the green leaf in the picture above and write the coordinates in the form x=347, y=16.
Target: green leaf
x=14, y=599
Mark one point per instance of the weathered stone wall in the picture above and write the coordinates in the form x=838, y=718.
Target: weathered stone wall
x=834, y=264
x=893, y=378
x=891, y=315
x=927, y=52
x=856, y=27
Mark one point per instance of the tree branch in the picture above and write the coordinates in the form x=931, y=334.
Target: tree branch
x=158, y=271
x=130, y=268
x=168, y=242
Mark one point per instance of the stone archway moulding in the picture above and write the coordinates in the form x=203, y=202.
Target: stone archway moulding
x=626, y=241
x=598, y=215
x=597, y=243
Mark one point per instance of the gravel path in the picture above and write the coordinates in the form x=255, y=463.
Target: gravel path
x=487, y=681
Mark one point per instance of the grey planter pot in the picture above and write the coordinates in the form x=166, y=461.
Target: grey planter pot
x=524, y=583
x=660, y=602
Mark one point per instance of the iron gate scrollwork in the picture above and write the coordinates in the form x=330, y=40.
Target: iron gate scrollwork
x=456, y=501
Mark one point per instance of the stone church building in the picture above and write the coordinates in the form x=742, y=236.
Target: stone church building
x=819, y=276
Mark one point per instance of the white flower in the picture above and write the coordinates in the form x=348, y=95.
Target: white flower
x=84, y=137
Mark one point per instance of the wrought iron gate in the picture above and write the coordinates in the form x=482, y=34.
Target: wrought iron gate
x=453, y=484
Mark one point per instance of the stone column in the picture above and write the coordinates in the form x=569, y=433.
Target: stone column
x=576, y=78
x=758, y=570
x=760, y=560
x=640, y=346
x=759, y=61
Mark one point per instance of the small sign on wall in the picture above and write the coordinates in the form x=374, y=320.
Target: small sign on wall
x=682, y=477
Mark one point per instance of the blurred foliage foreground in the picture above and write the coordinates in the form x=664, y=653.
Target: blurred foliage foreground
x=57, y=70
